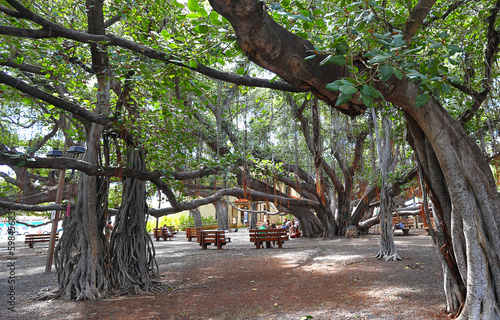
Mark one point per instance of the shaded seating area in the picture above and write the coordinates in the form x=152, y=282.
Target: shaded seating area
x=172, y=230
x=261, y=236
x=216, y=237
x=163, y=233
x=404, y=224
x=30, y=239
x=192, y=232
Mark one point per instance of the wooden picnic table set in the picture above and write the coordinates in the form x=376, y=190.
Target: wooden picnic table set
x=31, y=239
x=257, y=236
x=166, y=233
x=218, y=237
x=203, y=237
x=192, y=232
x=271, y=236
x=404, y=224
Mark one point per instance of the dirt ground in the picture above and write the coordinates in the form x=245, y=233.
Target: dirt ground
x=307, y=279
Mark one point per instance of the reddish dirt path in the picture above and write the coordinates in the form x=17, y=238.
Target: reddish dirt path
x=325, y=279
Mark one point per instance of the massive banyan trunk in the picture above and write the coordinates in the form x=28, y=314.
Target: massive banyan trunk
x=453, y=285
x=343, y=213
x=467, y=201
x=81, y=255
x=222, y=215
x=253, y=216
x=310, y=225
x=387, y=163
x=387, y=249
x=196, y=215
x=471, y=226
x=131, y=247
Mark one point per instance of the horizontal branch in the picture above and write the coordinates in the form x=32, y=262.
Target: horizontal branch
x=256, y=211
x=10, y=12
x=34, y=225
x=416, y=18
x=76, y=110
x=236, y=192
x=240, y=193
x=9, y=62
x=53, y=30
x=63, y=163
x=29, y=207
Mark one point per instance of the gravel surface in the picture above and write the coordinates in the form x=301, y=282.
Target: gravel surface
x=319, y=278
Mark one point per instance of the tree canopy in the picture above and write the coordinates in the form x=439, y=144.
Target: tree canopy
x=208, y=99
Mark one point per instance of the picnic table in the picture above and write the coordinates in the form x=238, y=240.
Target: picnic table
x=192, y=232
x=217, y=237
x=404, y=224
x=30, y=239
x=162, y=233
x=172, y=230
x=260, y=236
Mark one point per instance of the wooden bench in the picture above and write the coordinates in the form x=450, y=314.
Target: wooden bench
x=192, y=232
x=261, y=236
x=30, y=239
x=172, y=230
x=408, y=223
x=162, y=233
x=217, y=237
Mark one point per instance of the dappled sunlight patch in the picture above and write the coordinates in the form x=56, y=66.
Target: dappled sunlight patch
x=338, y=257
x=27, y=271
x=321, y=264
x=409, y=242
x=392, y=292
x=46, y=309
x=295, y=256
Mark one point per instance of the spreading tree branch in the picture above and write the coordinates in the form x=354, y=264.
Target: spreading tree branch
x=29, y=207
x=53, y=30
x=240, y=193
x=79, y=112
x=8, y=179
x=63, y=163
x=416, y=18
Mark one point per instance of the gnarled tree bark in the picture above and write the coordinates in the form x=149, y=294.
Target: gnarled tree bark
x=387, y=163
x=196, y=215
x=471, y=221
x=132, y=250
x=222, y=215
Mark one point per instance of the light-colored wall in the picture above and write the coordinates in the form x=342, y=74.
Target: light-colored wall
x=205, y=211
x=235, y=215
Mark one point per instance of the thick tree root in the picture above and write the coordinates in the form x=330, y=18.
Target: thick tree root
x=131, y=247
x=388, y=257
x=47, y=294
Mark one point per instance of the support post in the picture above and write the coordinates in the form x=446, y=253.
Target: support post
x=55, y=222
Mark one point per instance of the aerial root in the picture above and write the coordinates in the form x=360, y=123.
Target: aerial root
x=388, y=257
x=47, y=294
